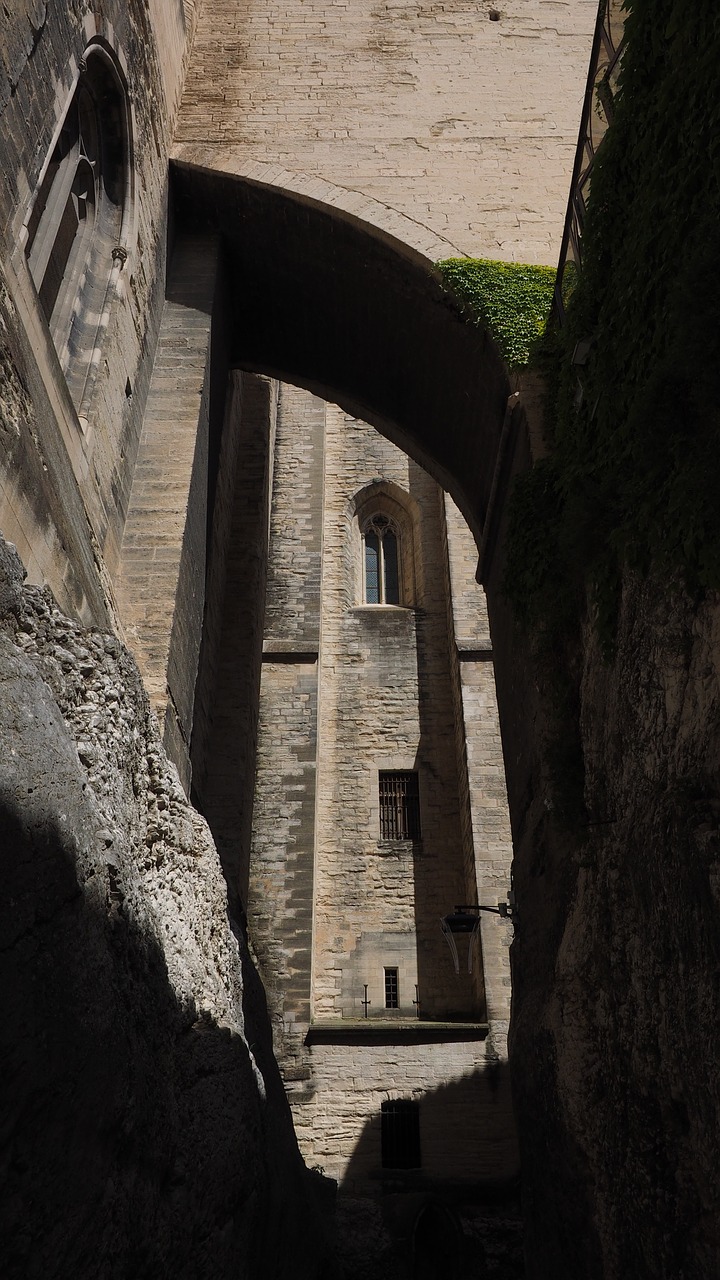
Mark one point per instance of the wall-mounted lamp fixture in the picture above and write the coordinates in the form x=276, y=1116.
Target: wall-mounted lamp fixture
x=465, y=921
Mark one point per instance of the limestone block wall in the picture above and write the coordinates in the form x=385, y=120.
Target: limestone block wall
x=385, y=704
x=433, y=113
x=161, y=584
x=84, y=468
x=227, y=693
x=465, y=1113
x=280, y=894
x=348, y=689
x=491, y=838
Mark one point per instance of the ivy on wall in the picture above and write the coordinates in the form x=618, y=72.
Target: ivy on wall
x=512, y=299
x=633, y=471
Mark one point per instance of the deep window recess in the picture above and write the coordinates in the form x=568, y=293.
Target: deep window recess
x=400, y=1134
x=62, y=219
x=382, y=573
x=399, y=806
x=75, y=226
x=391, y=988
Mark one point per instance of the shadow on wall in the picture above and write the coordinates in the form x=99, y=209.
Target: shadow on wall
x=440, y=878
x=135, y=1139
x=326, y=303
x=458, y=1213
x=466, y=1139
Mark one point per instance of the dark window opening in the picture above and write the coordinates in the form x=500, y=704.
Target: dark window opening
x=75, y=227
x=400, y=1134
x=391, y=989
x=382, y=573
x=399, y=806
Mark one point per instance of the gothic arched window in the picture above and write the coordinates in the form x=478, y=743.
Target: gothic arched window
x=382, y=562
x=75, y=225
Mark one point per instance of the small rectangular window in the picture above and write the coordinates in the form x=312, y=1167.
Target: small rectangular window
x=391, y=988
x=400, y=1134
x=399, y=806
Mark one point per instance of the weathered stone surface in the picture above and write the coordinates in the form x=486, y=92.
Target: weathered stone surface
x=141, y=1132
x=464, y=125
x=349, y=689
x=615, y=1031
x=65, y=483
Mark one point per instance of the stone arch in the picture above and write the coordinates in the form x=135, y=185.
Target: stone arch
x=328, y=303
x=407, y=235
x=276, y=286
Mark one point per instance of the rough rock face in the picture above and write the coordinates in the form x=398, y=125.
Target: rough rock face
x=617, y=1030
x=144, y=1127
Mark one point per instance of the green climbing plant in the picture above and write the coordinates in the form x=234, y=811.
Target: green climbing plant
x=632, y=475
x=512, y=299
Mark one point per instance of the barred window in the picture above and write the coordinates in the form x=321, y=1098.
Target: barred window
x=399, y=806
x=391, y=989
x=382, y=572
x=400, y=1134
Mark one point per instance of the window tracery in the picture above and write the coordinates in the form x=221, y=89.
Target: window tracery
x=381, y=560
x=74, y=230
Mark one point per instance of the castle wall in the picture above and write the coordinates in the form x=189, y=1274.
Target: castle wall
x=385, y=705
x=165, y=548
x=280, y=893
x=348, y=689
x=465, y=1116
x=225, y=731
x=85, y=464
x=490, y=838
x=463, y=125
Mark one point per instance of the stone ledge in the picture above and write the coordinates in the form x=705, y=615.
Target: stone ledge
x=385, y=1031
x=474, y=655
x=282, y=653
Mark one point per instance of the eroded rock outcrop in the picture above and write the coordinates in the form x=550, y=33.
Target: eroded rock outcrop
x=145, y=1130
x=617, y=958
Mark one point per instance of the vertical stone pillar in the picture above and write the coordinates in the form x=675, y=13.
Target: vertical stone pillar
x=280, y=898
x=488, y=807
x=161, y=584
x=226, y=700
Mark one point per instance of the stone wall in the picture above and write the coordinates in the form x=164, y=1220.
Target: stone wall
x=143, y=1133
x=84, y=468
x=464, y=1107
x=161, y=578
x=225, y=732
x=615, y=1000
x=348, y=689
x=481, y=751
x=457, y=126
x=385, y=704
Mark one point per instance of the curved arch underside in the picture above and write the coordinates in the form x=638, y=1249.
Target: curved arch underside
x=321, y=301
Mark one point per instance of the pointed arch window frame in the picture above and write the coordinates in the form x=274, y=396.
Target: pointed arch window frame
x=69, y=193
x=81, y=218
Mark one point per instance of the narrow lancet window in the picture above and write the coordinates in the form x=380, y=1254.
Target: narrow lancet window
x=382, y=572
x=372, y=568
